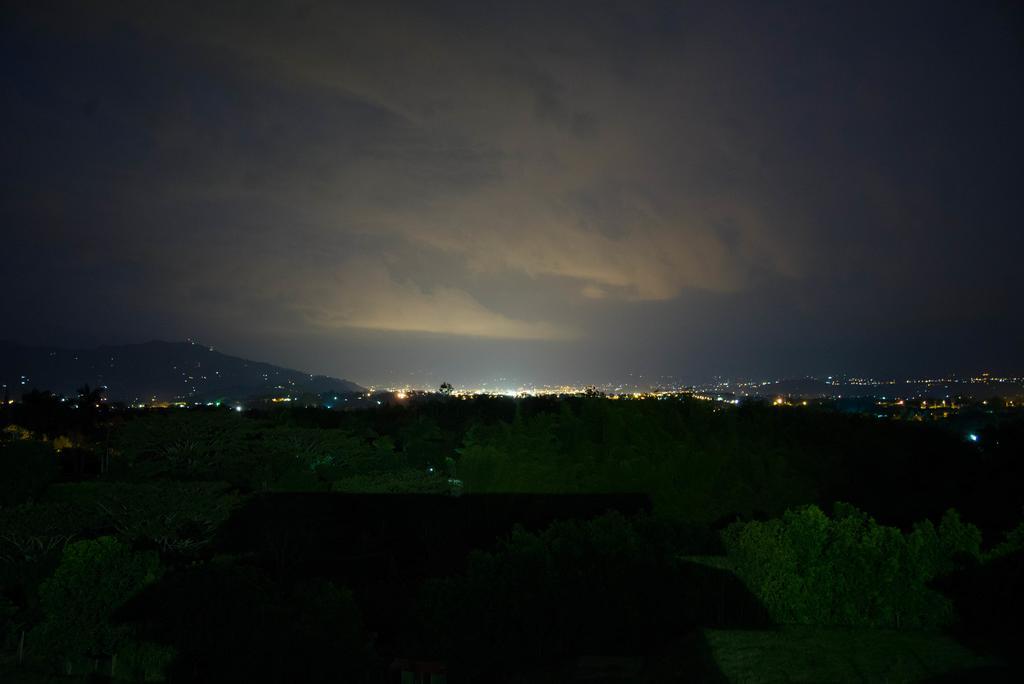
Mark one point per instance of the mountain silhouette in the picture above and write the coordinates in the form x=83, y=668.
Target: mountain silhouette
x=162, y=371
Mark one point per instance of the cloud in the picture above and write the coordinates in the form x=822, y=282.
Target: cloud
x=366, y=296
x=519, y=143
x=625, y=172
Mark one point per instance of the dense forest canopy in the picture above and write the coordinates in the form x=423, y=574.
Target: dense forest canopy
x=157, y=511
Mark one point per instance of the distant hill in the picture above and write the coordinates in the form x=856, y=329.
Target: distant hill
x=166, y=371
x=976, y=388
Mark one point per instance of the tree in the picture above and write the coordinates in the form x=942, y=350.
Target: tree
x=94, y=578
x=42, y=413
x=90, y=407
x=26, y=468
x=230, y=622
x=610, y=584
x=422, y=443
x=848, y=570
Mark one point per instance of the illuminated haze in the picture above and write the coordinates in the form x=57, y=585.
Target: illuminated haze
x=411, y=192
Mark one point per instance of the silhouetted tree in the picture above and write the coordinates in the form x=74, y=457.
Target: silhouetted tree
x=90, y=396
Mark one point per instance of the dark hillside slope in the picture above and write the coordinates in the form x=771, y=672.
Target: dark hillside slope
x=165, y=371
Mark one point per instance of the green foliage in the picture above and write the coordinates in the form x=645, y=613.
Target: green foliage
x=397, y=482
x=93, y=579
x=1013, y=542
x=697, y=460
x=177, y=517
x=848, y=570
x=231, y=622
x=599, y=586
x=26, y=468
x=9, y=624
x=813, y=654
x=958, y=537
x=178, y=445
x=605, y=585
x=690, y=459
x=423, y=443
x=143, y=661
x=249, y=454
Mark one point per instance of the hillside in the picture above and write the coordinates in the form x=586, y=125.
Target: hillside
x=154, y=370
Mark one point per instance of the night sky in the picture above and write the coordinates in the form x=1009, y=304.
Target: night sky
x=551, y=191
